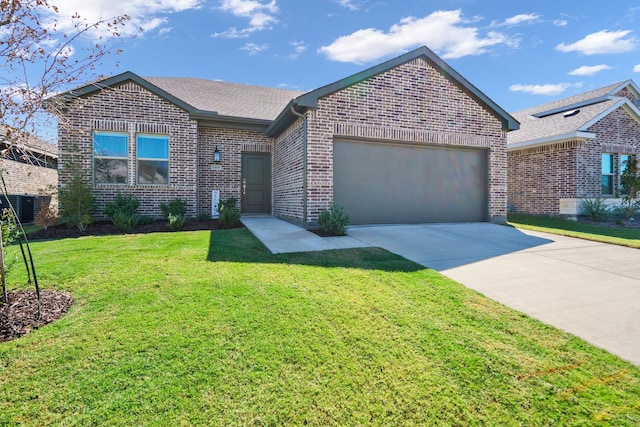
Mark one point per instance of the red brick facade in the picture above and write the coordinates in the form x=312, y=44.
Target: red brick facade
x=224, y=176
x=131, y=109
x=410, y=103
x=552, y=179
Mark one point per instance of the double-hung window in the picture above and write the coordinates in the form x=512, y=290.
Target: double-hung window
x=607, y=174
x=110, y=157
x=153, y=159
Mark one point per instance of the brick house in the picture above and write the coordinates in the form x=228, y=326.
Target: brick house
x=29, y=169
x=573, y=149
x=409, y=140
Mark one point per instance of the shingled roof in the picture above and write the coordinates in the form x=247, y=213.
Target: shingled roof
x=227, y=99
x=28, y=142
x=569, y=118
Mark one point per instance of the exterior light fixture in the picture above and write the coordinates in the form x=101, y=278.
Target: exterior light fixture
x=216, y=155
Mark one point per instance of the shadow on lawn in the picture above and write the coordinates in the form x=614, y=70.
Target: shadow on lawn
x=240, y=245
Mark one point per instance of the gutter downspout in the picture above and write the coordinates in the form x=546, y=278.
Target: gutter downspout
x=304, y=163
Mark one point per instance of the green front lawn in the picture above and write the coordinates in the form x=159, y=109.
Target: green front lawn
x=624, y=236
x=208, y=328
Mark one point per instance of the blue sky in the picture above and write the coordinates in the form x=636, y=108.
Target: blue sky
x=519, y=53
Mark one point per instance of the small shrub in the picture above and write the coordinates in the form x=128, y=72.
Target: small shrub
x=229, y=213
x=46, y=216
x=176, y=222
x=9, y=225
x=175, y=207
x=122, y=211
x=630, y=182
x=77, y=203
x=203, y=217
x=334, y=221
x=595, y=209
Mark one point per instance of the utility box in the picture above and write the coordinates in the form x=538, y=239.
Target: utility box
x=24, y=206
x=215, y=201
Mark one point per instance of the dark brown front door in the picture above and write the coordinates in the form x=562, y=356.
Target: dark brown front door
x=256, y=183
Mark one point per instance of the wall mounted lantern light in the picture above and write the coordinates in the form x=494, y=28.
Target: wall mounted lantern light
x=216, y=155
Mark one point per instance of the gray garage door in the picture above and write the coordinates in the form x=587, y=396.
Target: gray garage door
x=408, y=184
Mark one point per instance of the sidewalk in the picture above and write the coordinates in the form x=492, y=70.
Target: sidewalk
x=282, y=237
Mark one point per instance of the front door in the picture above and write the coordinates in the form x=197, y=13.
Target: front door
x=256, y=183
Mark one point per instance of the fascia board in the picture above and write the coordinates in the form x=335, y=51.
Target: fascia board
x=551, y=140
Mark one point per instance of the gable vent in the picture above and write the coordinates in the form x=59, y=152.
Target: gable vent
x=570, y=113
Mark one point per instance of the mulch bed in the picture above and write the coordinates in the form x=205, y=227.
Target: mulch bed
x=107, y=228
x=19, y=315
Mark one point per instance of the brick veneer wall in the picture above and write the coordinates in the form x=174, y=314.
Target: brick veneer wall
x=22, y=178
x=413, y=101
x=131, y=109
x=288, y=174
x=540, y=177
x=617, y=133
x=225, y=176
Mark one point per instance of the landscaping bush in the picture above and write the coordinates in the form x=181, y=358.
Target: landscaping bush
x=176, y=207
x=46, y=216
x=77, y=203
x=176, y=222
x=630, y=183
x=334, y=221
x=9, y=225
x=229, y=213
x=595, y=209
x=175, y=211
x=203, y=217
x=122, y=211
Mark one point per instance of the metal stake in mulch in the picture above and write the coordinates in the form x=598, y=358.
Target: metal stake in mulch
x=28, y=263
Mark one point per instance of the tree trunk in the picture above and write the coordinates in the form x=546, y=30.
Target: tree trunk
x=2, y=272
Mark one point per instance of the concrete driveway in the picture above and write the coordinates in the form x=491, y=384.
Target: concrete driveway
x=589, y=289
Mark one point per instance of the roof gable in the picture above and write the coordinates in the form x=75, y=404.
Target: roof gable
x=571, y=118
x=310, y=99
x=99, y=85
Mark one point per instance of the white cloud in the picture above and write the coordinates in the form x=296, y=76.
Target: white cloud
x=560, y=22
x=546, y=89
x=145, y=14
x=261, y=16
x=299, y=48
x=636, y=69
x=528, y=18
x=443, y=31
x=254, y=49
x=589, y=70
x=349, y=4
x=601, y=42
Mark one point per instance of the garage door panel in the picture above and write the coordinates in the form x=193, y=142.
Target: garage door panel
x=396, y=183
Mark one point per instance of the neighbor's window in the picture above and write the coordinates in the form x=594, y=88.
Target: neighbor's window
x=110, y=157
x=607, y=174
x=153, y=159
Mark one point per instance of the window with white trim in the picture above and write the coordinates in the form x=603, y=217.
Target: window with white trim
x=607, y=174
x=153, y=159
x=110, y=157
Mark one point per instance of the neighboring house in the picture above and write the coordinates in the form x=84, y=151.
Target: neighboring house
x=29, y=169
x=407, y=141
x=573, y=149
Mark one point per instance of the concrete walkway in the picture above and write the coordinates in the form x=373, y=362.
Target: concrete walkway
x=589, y=289
x=282, y=237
